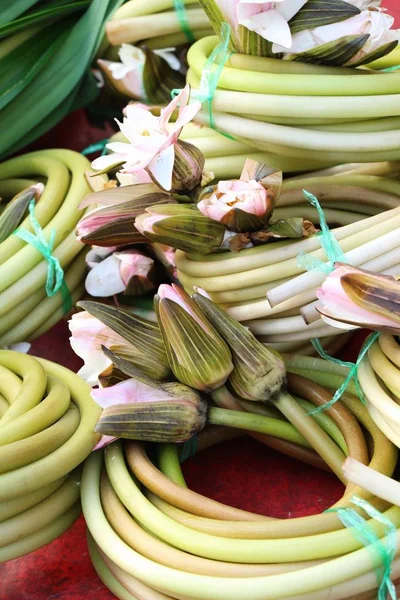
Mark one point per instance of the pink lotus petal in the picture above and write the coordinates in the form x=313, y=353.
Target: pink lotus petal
x=104, y=441
x=106, y=161
x=161, y=167
x=128, y=392
x=179, y=296
x=105, y=280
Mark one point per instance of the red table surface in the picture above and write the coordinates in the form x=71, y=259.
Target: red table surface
x=244, y=473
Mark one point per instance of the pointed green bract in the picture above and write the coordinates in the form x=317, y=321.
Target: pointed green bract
x=185, y=228
x=148, y=352
x=15, y=211
x=317, y=13
x=338, y=52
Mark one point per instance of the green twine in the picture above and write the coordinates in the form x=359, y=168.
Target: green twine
x=189, y=449
x=391, y=69
x=385, y=549
x=210, y=76
x=183, y=19
x=55, y=275
x=96, y=147
x=334, y=254
x=329, y=243
x=353, y=373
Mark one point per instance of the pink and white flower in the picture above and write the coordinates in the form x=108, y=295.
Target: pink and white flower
x=88, y=335
x=374, y=23
x=112, y=274
x=151, y=142
x=269, y=19
x=352, y=298
x=248, y=196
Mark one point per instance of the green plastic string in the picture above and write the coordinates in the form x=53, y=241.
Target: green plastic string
x=385, y=548
x=334, y=254
x=97, y=147
x=183, y=19
x=210, y=76
x=55, y=275
x=391, y=69
x=353, y=373
x=329, y=243
x=189, y=449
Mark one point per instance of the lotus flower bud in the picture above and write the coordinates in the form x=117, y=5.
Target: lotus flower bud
x=129, y=272
x=181, y=226
x=244, y=204
x=138, y=74
x=188, y=167
x=17, y=208
x=130, y=337
x=351, y=297
x=142, y=410
x=259, y=373
x=355, y=41
x=197, y=354
x=113, y=224
x=152, y=141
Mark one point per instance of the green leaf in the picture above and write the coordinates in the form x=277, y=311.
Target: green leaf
x=54, y=84
x=19, y=67
x=338, y=52
x=42, y=15
x=14, y=9
x=71, y=103
x=316, y=13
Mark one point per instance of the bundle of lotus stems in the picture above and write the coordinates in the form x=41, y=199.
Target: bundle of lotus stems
x=47, y=420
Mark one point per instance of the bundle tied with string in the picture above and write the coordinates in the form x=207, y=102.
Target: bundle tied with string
x=271, y=291
x=334, y=255
x=299, y=112
x=210, y=76
x=383, y=550
x=55, y=275
x=42, y=265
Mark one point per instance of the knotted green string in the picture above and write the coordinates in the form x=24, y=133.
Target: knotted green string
x=210, y=76
x=97, y=147
x=183, y=19
x=55, y=275
x=329, y=243
x=391, y=69
x=385, y=549
x=334, y=254
x=353, y=373
x=189, y=449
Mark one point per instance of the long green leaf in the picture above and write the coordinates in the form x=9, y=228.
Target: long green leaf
x=79, y=97
x=20, y=67
x=50, y=88
x=14, y=9
x=48, y=14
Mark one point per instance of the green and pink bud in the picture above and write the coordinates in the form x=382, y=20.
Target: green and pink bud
x=129, y=272
x=351, y=297
x=197, y=354
x=139, y=409
x=244, y=204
